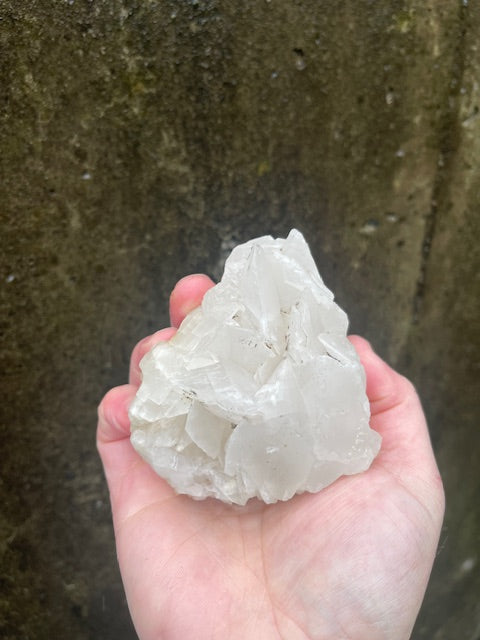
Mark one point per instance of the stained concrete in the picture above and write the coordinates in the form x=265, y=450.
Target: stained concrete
x=139, y=142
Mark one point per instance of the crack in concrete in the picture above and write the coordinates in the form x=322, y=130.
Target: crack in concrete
x=449, y=138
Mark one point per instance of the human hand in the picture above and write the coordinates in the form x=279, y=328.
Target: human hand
x=350, y=562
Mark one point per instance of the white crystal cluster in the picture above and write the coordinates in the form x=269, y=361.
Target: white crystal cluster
x=259, y=393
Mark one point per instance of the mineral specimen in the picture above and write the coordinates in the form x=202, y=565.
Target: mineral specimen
x=259, y=393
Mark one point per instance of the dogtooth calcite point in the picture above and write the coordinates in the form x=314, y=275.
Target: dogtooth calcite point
x=259, y=393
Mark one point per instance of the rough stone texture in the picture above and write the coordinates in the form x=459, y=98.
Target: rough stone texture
x=139, y=141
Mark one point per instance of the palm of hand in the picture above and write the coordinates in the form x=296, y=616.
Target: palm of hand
x=349, y=562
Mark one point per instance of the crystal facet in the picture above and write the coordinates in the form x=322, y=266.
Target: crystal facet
x=260, y=393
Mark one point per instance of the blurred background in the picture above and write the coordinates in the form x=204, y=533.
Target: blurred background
x=140, y=141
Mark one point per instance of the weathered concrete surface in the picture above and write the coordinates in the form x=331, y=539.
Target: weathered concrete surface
x=139, y=141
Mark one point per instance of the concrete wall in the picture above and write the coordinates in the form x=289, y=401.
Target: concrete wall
x=141, y=140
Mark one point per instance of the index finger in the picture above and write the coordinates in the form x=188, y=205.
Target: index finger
x=187, y=295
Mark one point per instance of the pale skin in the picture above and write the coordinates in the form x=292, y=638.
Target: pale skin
x=350, y=562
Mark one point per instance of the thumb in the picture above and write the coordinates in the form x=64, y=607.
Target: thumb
x=397, y=414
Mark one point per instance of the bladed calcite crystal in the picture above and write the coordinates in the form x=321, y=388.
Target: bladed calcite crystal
x=260, y=393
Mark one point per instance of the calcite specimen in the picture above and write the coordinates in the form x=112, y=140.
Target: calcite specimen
x=259, y=393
